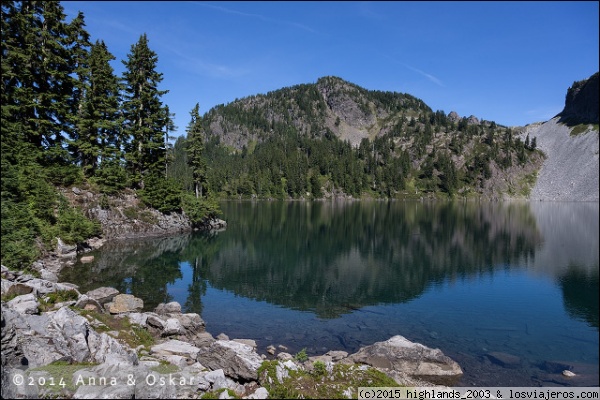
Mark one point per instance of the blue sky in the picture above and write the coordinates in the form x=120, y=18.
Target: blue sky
x=509, y=62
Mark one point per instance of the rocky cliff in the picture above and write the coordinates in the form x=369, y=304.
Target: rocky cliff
x=570, y=143
x=581, y=103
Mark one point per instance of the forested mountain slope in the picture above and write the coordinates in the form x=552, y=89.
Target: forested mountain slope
x=334, y=138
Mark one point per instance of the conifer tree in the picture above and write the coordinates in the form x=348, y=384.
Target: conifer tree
x=97, y=137
x=144, y=114
x=195, y=150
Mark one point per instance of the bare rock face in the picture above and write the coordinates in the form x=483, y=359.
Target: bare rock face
x=414, y=359
x=239, y=361
x=581, y=102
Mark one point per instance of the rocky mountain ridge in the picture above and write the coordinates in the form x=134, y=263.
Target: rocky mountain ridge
x=570, y=171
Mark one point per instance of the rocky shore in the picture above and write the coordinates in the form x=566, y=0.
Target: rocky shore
x=60, y=343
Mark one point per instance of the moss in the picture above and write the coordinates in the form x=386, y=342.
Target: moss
x=60, y=383
x=320, y=384
x=47, y=302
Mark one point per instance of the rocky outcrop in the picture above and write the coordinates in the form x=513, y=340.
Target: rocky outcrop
x=414, y=359
x=581, y=102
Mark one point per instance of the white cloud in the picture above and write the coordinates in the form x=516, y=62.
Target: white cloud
x=426, y=75
x=259, y=16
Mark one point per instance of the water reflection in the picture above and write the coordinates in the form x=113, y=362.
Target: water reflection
x=470, y=278
x=332, y=258
x=335, y=257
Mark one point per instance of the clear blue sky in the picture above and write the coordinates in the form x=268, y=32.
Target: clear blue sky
x=509, y=62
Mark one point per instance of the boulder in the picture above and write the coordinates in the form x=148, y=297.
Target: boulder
x=86, y=259
x=169, y=308
x=24, y=304
x=88, y=303
x=172, y=327
x=10, y=289
x=239, y=361
x=123, y=303
x=103, y=294
x=65, y=250
x=415, y=359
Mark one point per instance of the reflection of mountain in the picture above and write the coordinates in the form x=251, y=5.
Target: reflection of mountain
x=570, y=254
x=581, y=294
x=331, y=257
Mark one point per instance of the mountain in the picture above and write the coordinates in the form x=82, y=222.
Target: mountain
x=570, y=143
x=334, y=138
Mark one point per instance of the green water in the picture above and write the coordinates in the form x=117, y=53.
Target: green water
x=468, y=278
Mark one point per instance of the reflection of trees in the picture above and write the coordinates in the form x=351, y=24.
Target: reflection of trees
x=140, y=267
x=333, y=257
x=580, y=294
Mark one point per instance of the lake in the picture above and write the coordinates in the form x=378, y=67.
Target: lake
x=469, y=278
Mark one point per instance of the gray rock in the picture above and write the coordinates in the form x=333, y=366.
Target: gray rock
x=106, y=349
x=336, y=355
x=154, y=321
x=176, y=347
x=123, y=303
x=103, y=294
x=140, y=319
x=169, y=308
x=88, y=303
x=238, y=361
x=48, y=275
x=65, y=250
x=415, y=359
x=283, y=356
x=44, y=287
x=156, y=386
x=249, y=342
x=172, y=327
x=15, y=288
x=25, y=304
x=260, y=393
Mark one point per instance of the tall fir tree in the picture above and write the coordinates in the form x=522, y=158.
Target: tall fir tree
x=97, y=139
x=195, y=151
x=143, y=112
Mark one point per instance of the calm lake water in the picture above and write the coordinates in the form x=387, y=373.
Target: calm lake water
x=468, y=278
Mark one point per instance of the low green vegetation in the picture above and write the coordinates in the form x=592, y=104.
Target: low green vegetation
x=301, y=355
x=583, y=128
x=58, y=378
x=131, y=334
x=165, y=368
x=341, y=383
x=48, y=302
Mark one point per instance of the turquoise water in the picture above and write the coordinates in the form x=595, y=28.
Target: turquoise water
x=468, y=278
